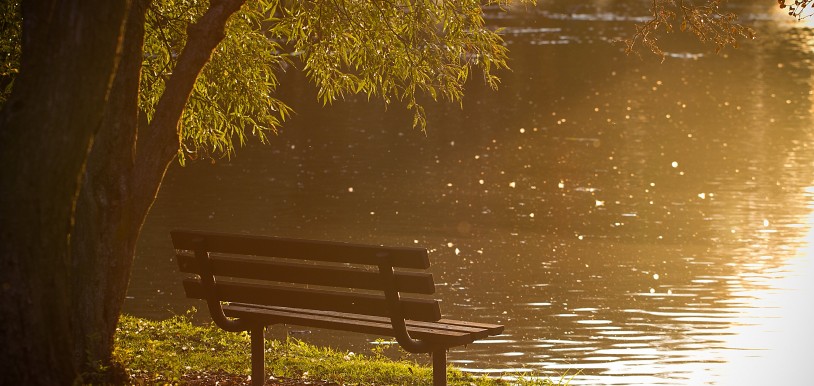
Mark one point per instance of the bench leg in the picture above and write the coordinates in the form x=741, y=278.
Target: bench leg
x=439, y=367
x=258, y=356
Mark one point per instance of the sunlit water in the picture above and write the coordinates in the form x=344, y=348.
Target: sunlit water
x=634, y=221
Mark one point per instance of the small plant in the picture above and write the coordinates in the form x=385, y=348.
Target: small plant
x=380, y=346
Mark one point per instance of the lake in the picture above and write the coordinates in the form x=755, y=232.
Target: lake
x=638, y=221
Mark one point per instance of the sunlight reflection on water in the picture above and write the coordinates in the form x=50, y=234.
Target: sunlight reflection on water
x=636, y=221
x=772, y=334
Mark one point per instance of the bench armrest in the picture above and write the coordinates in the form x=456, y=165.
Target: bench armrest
x=392, y=296
x=212, y=301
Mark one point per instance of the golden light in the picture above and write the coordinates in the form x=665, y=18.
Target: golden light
x=771, y=340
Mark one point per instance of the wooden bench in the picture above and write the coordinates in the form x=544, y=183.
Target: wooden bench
x=250, y=282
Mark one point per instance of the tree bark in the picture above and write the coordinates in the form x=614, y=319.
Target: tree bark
x=69, y=54
x=124, y=172
x=119, y=187
x=80, y=172
x=107, y=219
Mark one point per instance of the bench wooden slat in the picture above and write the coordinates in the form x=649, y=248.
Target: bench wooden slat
x=496, y=328
x=336, y=321
x=402, y=257
x=272, y=295
x=476, y=330
x=256, y=292
x=349, y=277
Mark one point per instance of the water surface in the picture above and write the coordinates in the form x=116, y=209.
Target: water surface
x=644, y=222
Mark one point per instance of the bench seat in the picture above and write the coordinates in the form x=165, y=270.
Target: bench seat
x=444, y=332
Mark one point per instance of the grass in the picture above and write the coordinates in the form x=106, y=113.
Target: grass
x=168, y=351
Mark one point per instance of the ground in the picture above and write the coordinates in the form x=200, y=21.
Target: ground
x=221, y=378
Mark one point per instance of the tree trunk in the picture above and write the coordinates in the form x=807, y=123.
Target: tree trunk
x=80, y=172
x=124, y=172
x=108, y=213
x=69, y=55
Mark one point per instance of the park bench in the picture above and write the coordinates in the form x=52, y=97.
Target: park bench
x=250, y=282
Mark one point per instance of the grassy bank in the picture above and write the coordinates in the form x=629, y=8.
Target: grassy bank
x=176, y=351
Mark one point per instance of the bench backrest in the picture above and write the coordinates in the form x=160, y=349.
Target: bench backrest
x=351, y=278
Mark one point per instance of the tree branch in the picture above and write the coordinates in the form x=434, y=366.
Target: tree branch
x=159, y=141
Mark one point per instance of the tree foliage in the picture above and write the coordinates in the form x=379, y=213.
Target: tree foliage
x=10, y=26
x=393, y=50
x=706, y=21
x=798, y=8
x=234, y=95
x=396, y=51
